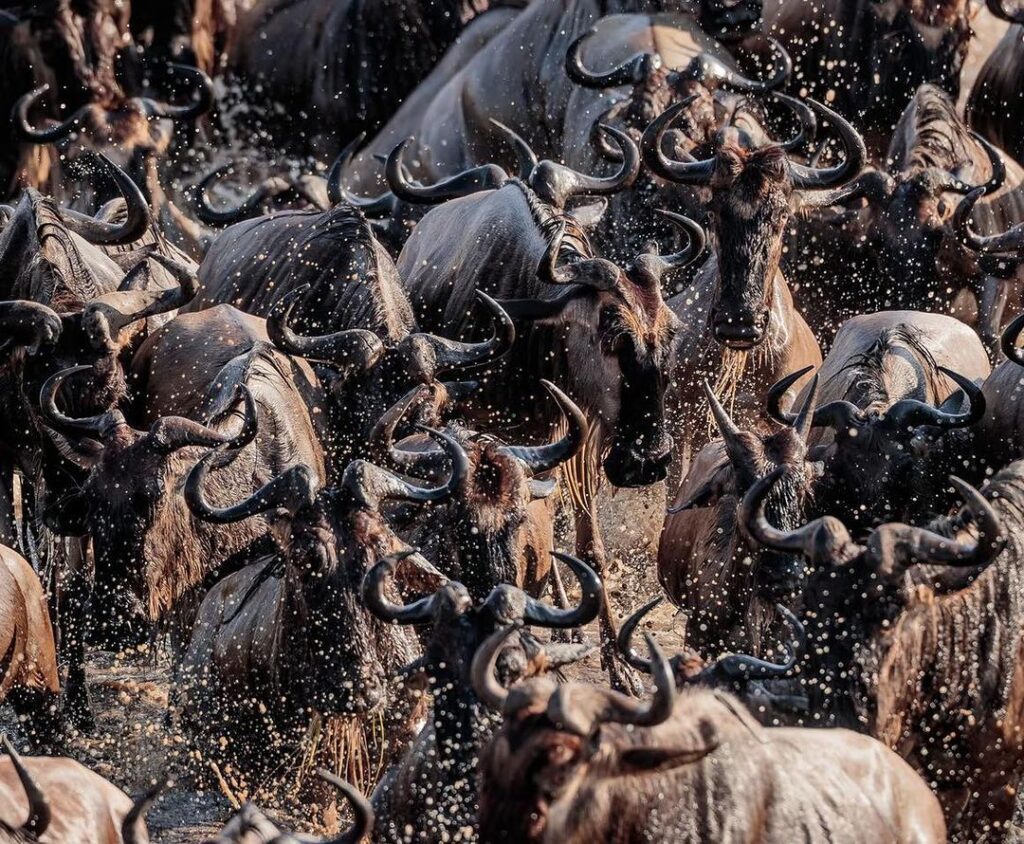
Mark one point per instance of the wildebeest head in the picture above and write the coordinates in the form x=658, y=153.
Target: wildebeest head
x=656, y=87
x=732, y=671
x=460, y=625
x=877, y=458
x=328, y=538
x=751, y=185
x=127, y=502
x=485, y=536
x=556, y=736
x=857, y=590
x=909, y=225
x=749, y=575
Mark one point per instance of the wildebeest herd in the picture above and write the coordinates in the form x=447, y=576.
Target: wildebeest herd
x=324, y=322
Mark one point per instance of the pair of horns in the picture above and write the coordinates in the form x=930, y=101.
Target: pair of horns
x=877, y=186
x=729, y=668
x=703, y=68
x=578, y=707
x=296, y=487
x=843, y=415
x=201, y=89
x=826, y=541
x=357, y=349
x=700, y=172
x=534, y=459
x=251, y=819
x=267, y=191
x=165, y=436
x=526, y=610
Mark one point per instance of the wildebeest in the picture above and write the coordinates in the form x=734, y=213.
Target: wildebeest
x=288, y=638
x=738, y=322
x=345, y=66
x=598, y=330
x=888, y=404
x=433, y=789
x=998, y=437
x=332, y=294
x=146, y=542
x=28, y=668
x=520, y=69
x=575, y=763
x=904, y=243
x=59, y=801
x=250, y=819
x=871, y=55
x=726, y=587
x=917, y=638
x=497, y=526
x=996, y=102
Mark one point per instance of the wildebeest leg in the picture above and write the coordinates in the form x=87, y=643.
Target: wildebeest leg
x=992, y=298
x=74, y=597
x=590, y=548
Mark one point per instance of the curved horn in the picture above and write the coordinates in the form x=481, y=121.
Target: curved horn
x=542, y=458
x=419, y=464
x=525, y=156
x=362, y=811
x=773, y=399
x=595, y=273
x=918, y=545
x=292, y=489
x=250, y=206
x=705, y=68
x=418, y=612
x=90, y=426
x=817, y=178
x=335, y=189
x=136, y=222
x=201, y=84
x=696, y=241
x=744, y=667
x=908, y=413
x=996, y=161
x=567, y=183
x=133, y=827
x=610, y=707
x=624, y=641
x=490, y=692
x=729, y=430
x=172, y=433
x=873, y=185
x=371, y=485
x=1008, y=341
x=542, y=615
x=753, y=521
x=485, y=177
x=28, y=325
x=998, y=8
x=633, y=71
x=682, y=172
x=457, y=356
x=25, y=130
x=1009, y=241
x=805, y=116
x=354, y=349
x=39, y=813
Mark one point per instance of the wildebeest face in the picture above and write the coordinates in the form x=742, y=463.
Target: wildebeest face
x=750, y=205
x=635, y=331
x=908, y=232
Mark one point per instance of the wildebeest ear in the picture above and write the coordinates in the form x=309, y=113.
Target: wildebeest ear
x=589, y=215
x=639, y=760
x=68, y=515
